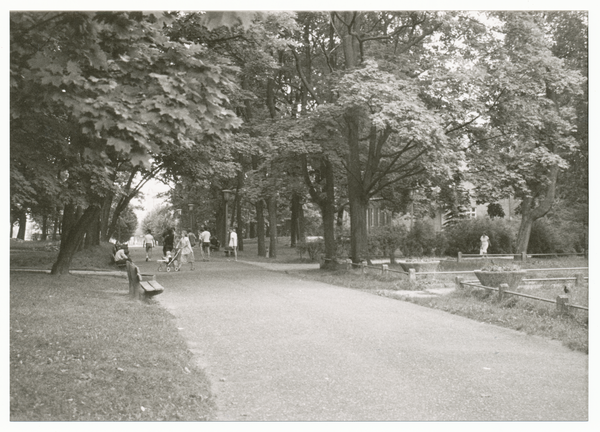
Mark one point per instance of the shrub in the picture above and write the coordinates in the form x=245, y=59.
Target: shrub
x=464, y=236
x=342, y=246
x=385, y=240
x=314, y=249
x=546, y=237
x=422, y=240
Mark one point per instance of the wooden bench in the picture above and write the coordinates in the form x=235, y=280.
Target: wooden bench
x=140, y=288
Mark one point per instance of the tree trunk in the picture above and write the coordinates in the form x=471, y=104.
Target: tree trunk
x=356, y=195
x=326, y=203
x=260, y=228
x=529, y=213
x=22, y=225
x=238, y=197
x=329, y=217
x=92, y=234
x=55, y=225
x=295, y=205
x=240, y=226
x=105, y=217
x=121, y=206
x=72, y=239
x=44, y=236
x=221, y=229
x=301, y=224
x=524, y=232
x=272, y=206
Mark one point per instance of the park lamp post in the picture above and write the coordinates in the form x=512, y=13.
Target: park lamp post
x=228, y=195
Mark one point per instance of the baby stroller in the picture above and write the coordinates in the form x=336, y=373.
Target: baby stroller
x=169, y=262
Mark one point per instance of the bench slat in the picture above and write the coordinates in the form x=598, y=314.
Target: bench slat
x=156, y=285
x=152, y=286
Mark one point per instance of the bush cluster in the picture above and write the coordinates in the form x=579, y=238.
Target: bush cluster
x=314, y=249
x=548, y=237
x=464, y=236
x=421, y=240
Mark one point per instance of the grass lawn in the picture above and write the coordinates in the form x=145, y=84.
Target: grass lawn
x=80, y=349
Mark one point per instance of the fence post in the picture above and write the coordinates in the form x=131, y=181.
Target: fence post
x=458, y=282
x=459, y=257
x=579, y=280
x=363, y=266
x=523, y=256
x=412, y=275
x=501, y=289
x=348, y=264
x=562, y=304
x=384, y=269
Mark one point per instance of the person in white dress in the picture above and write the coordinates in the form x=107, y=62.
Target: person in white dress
x=485, y=242
x=233, y=242
x=187, y=253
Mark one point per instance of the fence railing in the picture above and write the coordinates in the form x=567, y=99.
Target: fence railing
x=412, y=274
x=518, y=256
x=562, y=301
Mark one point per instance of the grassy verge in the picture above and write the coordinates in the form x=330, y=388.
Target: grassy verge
x=518, y=313
x=80, y=349
x=530, y=316
x=42, y=255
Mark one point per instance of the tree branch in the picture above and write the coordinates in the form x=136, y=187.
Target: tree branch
x=303, y=78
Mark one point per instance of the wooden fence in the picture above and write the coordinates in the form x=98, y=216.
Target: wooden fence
x=520, y=256
x=562, y=301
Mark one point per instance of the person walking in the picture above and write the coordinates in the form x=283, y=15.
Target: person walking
x=233, y=242
x=187, y=253
x=168, y=240
x=148, y=244
x=205, y=239
x=485, y=242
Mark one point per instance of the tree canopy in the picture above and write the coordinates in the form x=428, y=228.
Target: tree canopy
x=283, y=108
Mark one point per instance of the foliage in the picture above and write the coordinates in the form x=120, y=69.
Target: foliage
x=465, y=236
x=385, y=240
x=495, y=210
x=158, y=220
x=127, y=224
x=97, y=93
x=531, y=117
x=548, y=237
x=313, y=248
x=422, y=240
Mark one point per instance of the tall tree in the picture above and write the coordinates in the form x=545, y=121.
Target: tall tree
x=533, y=122
x=375, y=100
x=109, y=81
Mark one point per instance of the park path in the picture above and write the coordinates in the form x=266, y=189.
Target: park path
x=279, y=348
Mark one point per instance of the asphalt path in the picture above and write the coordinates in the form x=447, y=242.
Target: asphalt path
x=278, y=348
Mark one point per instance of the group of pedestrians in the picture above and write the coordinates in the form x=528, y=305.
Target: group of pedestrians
x=185, y=245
